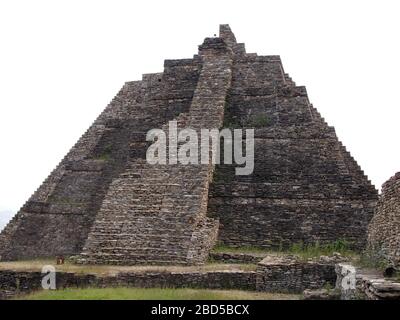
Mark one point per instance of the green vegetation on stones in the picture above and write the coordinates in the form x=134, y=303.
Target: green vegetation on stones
x=104, y=157
x=371, y=260
x=300, y=249
x=314, y=250
x=65, y=200
x=106, y=153
x=260, y=121
x=222, y=177
x=230, y=123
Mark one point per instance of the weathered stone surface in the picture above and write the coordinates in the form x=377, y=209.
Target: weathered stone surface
x=157, y=213
x=348, y=282
x=290, y=275
x=384, y=229
x=381, y=289
x=283, y=274
x=58, y=217
x=18, y=282
x=366, y=284
x=106, y=204
x=230, y=257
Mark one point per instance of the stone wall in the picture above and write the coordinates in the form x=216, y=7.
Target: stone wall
x=284, y=274
x=289, y=275
x=17, y=282
x=384, y=229
x=274, y=275
x=230, y=257
x=305, y=187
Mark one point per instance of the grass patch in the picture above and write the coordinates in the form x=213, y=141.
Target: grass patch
x=152, y=294
x=301, y=250
x=37, y=264
x=245, y=249
x=314, y=250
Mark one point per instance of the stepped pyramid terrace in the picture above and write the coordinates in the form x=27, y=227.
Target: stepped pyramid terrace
x=106, y=204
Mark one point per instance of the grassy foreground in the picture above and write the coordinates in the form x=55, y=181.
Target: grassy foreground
x=153, y=294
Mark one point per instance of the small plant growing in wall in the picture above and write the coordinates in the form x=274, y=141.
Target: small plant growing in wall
x=260, y=121
x=104, y=157
x=230, y=123
x=106, y=154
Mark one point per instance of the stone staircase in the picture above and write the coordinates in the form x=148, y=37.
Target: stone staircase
x=153, y=214
x=104, y=203
x=156, y=213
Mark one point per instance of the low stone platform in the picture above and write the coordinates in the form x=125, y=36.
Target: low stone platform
x=286, y=274
x=26, y=276
x=14, y=282
x=236, y=257
x=276, y=273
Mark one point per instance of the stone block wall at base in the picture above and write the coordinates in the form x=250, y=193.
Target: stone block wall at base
x=288, y=275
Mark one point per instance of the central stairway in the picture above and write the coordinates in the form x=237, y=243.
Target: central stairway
x=156, y=214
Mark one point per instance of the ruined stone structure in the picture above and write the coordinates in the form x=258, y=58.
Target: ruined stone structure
x=368, y=284
x=286, y=274
x=106, y=204
x=384, y=229
x=276, y=275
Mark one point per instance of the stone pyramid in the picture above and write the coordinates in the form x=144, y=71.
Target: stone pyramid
x=105, y=204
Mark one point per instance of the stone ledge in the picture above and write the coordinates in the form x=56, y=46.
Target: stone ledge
x=233, y=257
x=368, y=284
x=288, y=274
x=16, y=282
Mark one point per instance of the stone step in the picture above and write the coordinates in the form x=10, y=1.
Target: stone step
x=144, y=190
x=147, y=233
x=132, y=260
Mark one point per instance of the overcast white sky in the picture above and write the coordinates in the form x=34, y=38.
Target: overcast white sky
x=61, y=62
